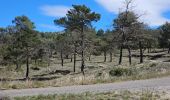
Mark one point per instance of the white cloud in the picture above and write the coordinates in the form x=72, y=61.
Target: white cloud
x=153, y=9
x=51, y=27
x=54, y=11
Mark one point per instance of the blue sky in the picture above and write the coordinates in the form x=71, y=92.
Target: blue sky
x=43, y=12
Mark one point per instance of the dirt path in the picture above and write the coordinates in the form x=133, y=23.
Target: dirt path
x=162, y=84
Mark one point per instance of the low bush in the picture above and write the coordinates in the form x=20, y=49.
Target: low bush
x=121, y=72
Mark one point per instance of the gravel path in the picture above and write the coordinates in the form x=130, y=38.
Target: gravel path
x=162, y=84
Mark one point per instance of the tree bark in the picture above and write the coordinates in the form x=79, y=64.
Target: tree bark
x=90, y=57
x=148, y=50
x=104, y=56
x=17, y=66
x=71, y=59
x=62, y=60
x=148, y=47
x=120, y=57
x=75, y=50
x=49, y=61
x=27, y=65
x=49, y=56
x=169, y=49
x=141, y=52
x=82, y=63
x=110, y=56
x=130, y=56
x=82, y=52
x=51, y=53
x=67, y=56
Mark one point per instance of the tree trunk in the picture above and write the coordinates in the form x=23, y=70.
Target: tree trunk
x=35, y=62
x=169, y=50
x=120, y=57
x=75, y=50
x=104, y=56
x=90, y=57
x=130, y=56
x=27, y=65
x=71, y=59
x=62, y=60
x=148, y=50
x=49, y=61
x=148, y=46
x=110, y=56
x=17, y=66
x=67, y=56
x=141, y=52
x=82, y=52
x=49, y=56
x=51, y=53
x=82, y=63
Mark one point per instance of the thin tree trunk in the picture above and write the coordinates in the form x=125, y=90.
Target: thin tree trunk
x=120, y=57
x=82, y=63
x=67, y=56
x=27, y=65
x=62, y=60
x=104, y=56
x=110, y=56
x=90, y=57
x=75, y=50
x=51, y=53
x=35, y=62
x=148, y=47
x=141, y=52
x=130, y=56
x=17, y=66
x=49, y=61
x=148, y=50
x=71, y=59
x=82, y=53
x=49, y=56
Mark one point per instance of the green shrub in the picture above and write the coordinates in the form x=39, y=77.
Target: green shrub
x=152, y=64
x=121, y=72
x=14, y=86
x=99, y=74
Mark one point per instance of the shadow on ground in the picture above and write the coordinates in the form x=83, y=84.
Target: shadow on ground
x=62, y=72
x=33, y=79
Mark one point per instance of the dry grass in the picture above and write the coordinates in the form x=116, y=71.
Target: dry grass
x=116, y=95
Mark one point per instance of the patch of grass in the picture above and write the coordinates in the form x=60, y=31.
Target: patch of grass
x=115, y=95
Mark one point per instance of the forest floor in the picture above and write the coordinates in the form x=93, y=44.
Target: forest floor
x=96, y=71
